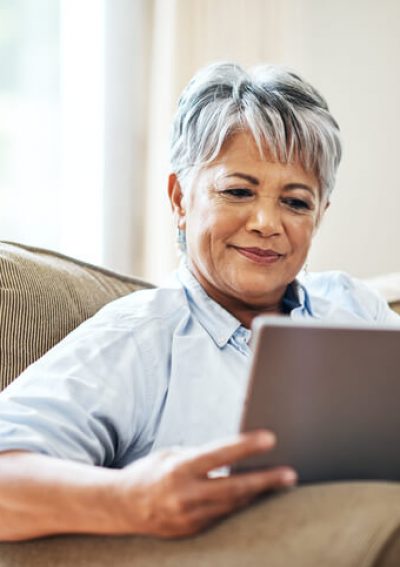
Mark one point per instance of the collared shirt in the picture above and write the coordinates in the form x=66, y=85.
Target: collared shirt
x=157, y=368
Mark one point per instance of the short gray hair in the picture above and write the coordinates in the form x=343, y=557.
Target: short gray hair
x=284, y=114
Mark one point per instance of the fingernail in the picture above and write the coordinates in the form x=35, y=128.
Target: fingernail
x=289, y=477
x=266, y=439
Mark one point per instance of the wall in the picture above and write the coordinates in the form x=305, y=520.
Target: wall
x=351, y=51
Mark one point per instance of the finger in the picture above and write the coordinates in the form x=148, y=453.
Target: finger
x=236, y=488
x=228, y=452
x=216, y=503
x=202, y=516
x=213, y=499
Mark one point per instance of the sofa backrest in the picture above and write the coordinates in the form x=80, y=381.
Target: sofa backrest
x=44, y=296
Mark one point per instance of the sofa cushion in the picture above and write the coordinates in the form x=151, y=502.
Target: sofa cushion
x=45, y=295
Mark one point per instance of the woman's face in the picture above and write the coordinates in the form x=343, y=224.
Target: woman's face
x=249, y=224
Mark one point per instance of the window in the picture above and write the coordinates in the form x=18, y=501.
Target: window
x=51, y=124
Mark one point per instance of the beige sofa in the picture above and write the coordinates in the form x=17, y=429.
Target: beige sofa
x=43, y=296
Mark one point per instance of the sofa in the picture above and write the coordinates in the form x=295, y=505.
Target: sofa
x=43, y=296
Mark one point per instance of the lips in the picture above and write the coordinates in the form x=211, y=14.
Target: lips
x=260, y=251
x=259, y=255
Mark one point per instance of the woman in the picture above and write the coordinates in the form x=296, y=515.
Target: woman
x=150, y=386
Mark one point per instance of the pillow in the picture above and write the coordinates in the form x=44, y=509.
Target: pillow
x=45, y=295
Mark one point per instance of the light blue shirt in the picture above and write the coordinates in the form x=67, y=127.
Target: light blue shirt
x=156, y=368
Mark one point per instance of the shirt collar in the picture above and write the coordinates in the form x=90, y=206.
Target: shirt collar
x=304, y=298
x=217, y=321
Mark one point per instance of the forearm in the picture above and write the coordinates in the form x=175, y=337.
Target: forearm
x=167, y=493
x=41, y=495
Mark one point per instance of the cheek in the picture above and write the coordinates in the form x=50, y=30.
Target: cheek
x=200, y=233
x=301, y=232
x=214, y=223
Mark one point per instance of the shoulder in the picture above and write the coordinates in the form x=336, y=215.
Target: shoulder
x=334, y=292
x=332, y=282
x=164, y=304
x=141, y=321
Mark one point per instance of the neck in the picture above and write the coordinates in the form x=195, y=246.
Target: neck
x=243, y=310
x=247, y=314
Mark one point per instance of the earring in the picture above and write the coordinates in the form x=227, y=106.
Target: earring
x=305, y=268
x=181, y=240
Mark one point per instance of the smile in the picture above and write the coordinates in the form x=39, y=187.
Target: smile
x=259, y=255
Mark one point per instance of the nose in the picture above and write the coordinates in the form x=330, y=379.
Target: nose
x=265, y=218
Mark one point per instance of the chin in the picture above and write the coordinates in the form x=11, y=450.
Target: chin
x=259, y=284
x=256, y=295
x=259, y=292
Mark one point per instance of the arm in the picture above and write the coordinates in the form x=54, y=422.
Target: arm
x=167, y=494
x=42, y=495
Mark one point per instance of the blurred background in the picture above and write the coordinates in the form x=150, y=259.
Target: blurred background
x=88, y=89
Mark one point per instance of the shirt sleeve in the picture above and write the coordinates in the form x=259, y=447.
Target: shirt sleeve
x=84, y=400
x=374, y=303
x=338, y=296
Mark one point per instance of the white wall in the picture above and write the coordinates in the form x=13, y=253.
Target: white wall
x=351, y=50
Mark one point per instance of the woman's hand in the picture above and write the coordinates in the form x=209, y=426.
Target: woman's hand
x=170, y=493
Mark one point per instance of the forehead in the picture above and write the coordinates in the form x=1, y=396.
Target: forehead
x=241, y=154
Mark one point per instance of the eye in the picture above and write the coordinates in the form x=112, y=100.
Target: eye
x=297, y=204
x=238, y=193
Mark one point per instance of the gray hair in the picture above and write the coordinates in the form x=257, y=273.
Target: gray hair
x=284, y=114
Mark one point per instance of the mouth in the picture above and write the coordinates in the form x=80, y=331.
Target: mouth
x=259, y=255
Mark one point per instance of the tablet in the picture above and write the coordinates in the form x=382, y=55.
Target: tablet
x=331, y=394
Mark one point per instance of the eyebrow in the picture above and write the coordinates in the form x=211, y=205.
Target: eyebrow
x=255, y=181
x=300, y=186
x=246, y=177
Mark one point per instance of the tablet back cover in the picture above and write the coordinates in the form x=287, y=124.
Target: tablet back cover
x=331, y=394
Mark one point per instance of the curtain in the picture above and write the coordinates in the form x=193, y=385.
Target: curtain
x=128, y=49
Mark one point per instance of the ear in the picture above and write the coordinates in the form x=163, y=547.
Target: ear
x=177, y=200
